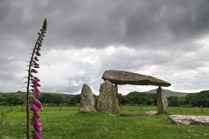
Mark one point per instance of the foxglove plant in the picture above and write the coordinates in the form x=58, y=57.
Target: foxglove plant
x=33, y=81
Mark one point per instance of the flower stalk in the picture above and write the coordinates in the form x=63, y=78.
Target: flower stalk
x=33, y=82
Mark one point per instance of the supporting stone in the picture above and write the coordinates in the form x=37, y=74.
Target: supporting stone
x=87, y=103
x=116, y=87
x=162, y=104
x=107, y=100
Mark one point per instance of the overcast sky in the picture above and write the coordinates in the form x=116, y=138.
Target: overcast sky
x=167, y=39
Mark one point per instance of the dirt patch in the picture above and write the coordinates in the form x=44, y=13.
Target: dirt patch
x=133, y=115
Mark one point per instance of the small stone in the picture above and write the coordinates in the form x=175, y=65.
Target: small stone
x=87, y=103
x=151, y=113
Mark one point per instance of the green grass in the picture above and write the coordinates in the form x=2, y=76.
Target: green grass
x=71, y=124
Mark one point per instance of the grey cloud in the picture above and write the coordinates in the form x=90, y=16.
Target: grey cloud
x=101, y=23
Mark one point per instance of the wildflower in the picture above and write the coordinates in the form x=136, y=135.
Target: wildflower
x=36, y=115
x=33, y=65
x=36, y=66
x=38, y=53
x=37, y=79
x=36, y=84
x=37, y=125
x=34, y=107
x=34, y=71
x=36, y=136
x=36, y=58
x=38, y=104
x=31, y=75
x=35, y=92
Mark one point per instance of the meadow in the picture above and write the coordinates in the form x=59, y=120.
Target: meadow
x=72, y=124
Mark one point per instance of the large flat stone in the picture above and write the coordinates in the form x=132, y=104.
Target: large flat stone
x=124, y=77
x=190, y=119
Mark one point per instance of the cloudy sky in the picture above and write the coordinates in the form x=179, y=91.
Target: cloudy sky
x=167, y=39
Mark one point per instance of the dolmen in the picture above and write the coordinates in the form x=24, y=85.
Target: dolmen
x=108, y=101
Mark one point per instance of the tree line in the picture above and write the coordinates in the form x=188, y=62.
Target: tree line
x=132, y=98
x=48, y=99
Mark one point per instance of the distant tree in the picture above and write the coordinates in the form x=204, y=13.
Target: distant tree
x=46, y=98
x=13, y=100
x=137, y=98
x=121, y=99
x=74, y=100
x=198, y=99
x=173, y=101
x=57, y=99
x=2, y=101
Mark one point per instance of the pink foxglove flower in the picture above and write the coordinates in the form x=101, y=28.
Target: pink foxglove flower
x=38, y=53
x=36, y=115
x=38, y=104
x=35, y=108
x=36, y=66
x=34, y=71
x=36, y=58
x=37, y=79
x=31, y=75
x=36, y=92
x=37, y=125
x=36, y=136
x=37, y=84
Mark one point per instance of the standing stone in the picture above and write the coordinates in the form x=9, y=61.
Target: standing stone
x=162, y=104
x=116, y=89
x=108, y=101
x=87, y=103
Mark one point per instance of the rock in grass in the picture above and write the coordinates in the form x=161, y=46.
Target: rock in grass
x=124, y=77
x=190, y=119
x=162, y=104
x=151, y=113
x=107, y=101
x=87, y=103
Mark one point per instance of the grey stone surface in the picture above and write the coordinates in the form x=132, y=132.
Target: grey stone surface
x=107, y=100
x=151, y=113
x=87, y=103
x=190, y=119
x=162, y=104
x=124, y=77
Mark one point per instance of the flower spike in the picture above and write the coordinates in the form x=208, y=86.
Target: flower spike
x=34, y=83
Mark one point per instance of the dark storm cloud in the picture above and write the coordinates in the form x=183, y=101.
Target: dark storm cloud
x=133, y=23
x=100, y=23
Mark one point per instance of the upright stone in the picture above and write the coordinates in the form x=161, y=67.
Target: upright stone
x=162, y=104
x=116, y=89
x=108, y=101
x=87, y=103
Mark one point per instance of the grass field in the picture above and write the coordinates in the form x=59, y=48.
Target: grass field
x=71, y=124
